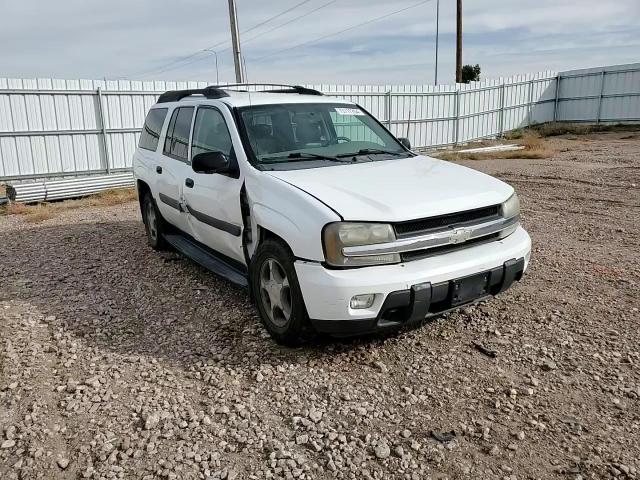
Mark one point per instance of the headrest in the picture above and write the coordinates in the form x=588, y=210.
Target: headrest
x=262, y=130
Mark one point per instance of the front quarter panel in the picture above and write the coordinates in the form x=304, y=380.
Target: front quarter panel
x=292, y=214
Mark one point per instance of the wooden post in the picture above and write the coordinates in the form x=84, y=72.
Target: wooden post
x=459, y=43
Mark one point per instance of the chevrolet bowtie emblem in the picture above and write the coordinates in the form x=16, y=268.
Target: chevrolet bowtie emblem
x=460, y=235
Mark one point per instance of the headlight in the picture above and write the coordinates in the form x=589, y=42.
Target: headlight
x=511, y=208
x=345, y=234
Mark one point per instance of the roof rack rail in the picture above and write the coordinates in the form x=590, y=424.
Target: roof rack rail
x=177, y=95
x=218, y=91
x=284, y=88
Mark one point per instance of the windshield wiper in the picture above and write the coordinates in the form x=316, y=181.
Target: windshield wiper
x=301, y=157
x=371, y=151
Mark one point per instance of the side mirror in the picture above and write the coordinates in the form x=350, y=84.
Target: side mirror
x=405, y=141
x=210, y=162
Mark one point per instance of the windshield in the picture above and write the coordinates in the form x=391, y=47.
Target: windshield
x=316, y=132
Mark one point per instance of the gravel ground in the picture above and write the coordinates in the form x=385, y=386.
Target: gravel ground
x=118, y=362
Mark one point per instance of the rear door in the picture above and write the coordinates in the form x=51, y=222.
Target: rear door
x=173, y=165
x=213, y=200
x=147, y=158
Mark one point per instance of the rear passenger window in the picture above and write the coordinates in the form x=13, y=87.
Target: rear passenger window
x=151, y=131
x=169, y=136
x=176, y=144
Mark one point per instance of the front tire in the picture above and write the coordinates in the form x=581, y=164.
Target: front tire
x=154, y=224
x=277, y=294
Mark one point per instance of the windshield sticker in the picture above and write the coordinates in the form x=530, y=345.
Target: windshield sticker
x=349, y=111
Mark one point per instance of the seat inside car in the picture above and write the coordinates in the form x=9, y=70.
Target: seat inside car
x=308, y=131
x=264, y=140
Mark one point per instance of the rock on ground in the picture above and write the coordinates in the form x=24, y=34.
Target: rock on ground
x=120, y=362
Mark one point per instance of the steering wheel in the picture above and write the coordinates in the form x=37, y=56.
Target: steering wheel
x=344, y=139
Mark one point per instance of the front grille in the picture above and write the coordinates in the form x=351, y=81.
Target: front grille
x=430, y=252
x=417, y=227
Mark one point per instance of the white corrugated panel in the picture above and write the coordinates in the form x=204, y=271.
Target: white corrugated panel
x=50, y=127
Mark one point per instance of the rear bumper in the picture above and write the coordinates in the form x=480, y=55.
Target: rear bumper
x=327, y=292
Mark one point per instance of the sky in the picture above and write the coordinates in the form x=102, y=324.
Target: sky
x=318, y=41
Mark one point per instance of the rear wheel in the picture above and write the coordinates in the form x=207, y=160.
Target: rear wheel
x=153, y=222
x=278, y=295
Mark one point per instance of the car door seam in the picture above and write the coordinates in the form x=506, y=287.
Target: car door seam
x=216, y=223
x=167, y=200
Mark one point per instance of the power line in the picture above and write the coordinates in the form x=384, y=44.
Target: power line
x=284, y=12
x=177, y=63
x=277, y=27
x=382, y=17
x=170, y=67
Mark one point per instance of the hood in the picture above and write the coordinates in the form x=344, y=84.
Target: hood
x=398, y=190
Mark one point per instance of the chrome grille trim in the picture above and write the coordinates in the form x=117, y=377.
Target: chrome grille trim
x=452, y=236
x=423, y=226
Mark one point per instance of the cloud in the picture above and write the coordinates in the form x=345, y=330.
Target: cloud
x=150, y=39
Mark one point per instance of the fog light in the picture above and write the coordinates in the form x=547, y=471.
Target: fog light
x=358, y=302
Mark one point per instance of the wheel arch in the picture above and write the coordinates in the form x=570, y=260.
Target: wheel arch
x=143, y=188
x=265, y=234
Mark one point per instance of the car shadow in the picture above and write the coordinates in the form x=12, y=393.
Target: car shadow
x=105, y=285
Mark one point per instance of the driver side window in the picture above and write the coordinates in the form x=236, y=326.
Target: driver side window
x=210, y=133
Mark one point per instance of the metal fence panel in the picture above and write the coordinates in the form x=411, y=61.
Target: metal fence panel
x=604, y=94
x=57, y=128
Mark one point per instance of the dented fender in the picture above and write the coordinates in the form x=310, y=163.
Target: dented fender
x=290, y=213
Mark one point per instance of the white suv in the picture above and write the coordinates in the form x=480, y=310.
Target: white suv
x=333, y=224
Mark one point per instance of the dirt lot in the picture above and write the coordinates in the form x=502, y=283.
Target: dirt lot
x=118, y=362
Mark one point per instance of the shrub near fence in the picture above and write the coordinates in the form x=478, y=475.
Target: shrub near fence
x=56, y=128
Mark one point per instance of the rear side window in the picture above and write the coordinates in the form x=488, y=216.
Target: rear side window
x=151, y=131
x=176, y=144
x=169, y=136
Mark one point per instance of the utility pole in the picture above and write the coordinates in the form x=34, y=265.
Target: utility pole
x=437, y=37
x=235, y=39
x=459, y=43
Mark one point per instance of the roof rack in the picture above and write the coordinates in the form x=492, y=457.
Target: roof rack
x=218, y=91
x=177, y=95
x=284, y=88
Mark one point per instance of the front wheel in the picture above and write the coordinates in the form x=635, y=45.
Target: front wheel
x=278, y=295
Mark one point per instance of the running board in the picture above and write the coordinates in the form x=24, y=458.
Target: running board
x=208, y=258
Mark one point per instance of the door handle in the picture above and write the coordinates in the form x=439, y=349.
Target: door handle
x=189, y=182
x=158, y=169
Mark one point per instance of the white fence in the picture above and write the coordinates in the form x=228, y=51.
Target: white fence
x=58, y=128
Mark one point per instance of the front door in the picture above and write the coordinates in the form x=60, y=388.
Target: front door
x=213, y=200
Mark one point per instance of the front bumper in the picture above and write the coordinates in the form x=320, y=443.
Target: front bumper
x=414, y=289
x=406, y=307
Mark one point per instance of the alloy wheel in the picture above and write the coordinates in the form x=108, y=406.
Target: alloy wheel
x=275, y=292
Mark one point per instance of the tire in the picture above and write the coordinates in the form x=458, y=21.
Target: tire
x=154, y=224
x=277, y=294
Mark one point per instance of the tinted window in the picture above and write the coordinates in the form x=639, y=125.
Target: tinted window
x=151, y=131
x=210, y=133
x=275, y=132
x=177, y=142
x=169, y=135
